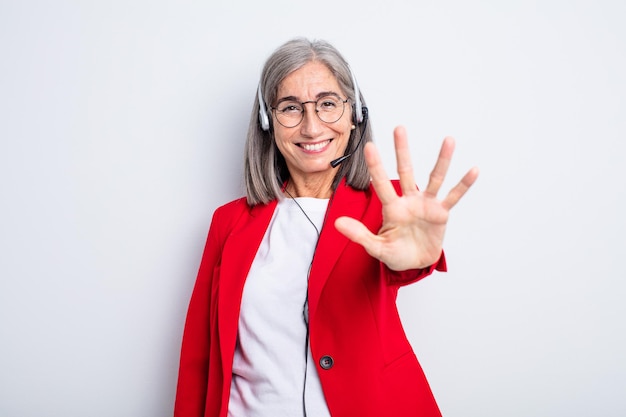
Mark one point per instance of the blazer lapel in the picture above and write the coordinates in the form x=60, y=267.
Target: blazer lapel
x=239, y=251
x=345, y=202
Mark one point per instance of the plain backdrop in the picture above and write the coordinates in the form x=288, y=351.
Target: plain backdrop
x=122, y=126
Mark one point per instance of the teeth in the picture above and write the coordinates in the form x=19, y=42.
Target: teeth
x=314, y=146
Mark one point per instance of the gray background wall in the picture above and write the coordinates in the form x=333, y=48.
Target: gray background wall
x=122, y=126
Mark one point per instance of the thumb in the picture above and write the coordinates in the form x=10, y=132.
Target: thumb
x=356, y=232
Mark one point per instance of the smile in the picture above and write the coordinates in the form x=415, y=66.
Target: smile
x=315, y=147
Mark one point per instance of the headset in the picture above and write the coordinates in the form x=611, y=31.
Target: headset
x=360, y=116
x=360, y=112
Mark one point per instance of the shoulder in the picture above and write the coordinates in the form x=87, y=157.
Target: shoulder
x=231, y=207
x=225, y=216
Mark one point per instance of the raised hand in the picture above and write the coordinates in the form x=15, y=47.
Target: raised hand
x=414, y=224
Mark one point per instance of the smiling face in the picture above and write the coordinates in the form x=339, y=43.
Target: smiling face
x=309, y=147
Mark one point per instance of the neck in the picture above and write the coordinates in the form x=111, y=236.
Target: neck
x=309, y=188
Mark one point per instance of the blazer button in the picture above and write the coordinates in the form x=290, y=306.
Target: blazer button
x=327, y=362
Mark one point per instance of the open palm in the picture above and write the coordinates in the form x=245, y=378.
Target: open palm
x=414, y=223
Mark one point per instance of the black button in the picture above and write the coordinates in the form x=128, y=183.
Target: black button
x=327, y=362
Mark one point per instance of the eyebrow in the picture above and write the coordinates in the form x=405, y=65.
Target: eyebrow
x=317, y=97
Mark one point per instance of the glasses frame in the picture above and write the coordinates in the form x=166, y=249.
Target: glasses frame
x=317, y=111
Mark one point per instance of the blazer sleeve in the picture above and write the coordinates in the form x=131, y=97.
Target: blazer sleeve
x=194, y=358
x=410, y=276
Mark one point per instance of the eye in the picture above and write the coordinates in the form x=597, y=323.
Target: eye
x=290, y=107
x=328, y=103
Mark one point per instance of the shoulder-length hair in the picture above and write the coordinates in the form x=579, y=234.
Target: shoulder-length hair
x=265, y=168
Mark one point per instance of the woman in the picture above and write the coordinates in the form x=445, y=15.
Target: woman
x=293, y=312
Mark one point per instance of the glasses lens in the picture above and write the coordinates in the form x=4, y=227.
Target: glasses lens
x=289, y=113
x=329, y=109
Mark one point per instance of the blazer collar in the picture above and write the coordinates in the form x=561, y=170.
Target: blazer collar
x=346, y=201
x=238, y=253
x=244, y=240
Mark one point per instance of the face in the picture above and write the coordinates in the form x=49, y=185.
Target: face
x=309, y=147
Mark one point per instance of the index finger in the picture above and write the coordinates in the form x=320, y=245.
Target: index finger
x=380, y=180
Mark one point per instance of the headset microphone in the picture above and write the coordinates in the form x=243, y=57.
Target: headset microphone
x=335, y=162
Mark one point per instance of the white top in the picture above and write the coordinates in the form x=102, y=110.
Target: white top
x=271, y=376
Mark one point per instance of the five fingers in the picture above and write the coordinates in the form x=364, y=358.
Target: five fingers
x=358, y=232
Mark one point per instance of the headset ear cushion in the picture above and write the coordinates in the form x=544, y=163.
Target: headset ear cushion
x=358, y=116
x=358, y=112
x=264, y=119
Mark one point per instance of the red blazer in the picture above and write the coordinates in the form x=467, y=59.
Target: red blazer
x=363, y=358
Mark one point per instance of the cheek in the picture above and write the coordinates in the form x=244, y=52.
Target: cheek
x=279, y=140
x=345, y=129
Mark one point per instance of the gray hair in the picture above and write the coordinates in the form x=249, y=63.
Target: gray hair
x=265, y=168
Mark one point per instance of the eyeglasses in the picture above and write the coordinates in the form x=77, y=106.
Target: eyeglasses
x=329, y=109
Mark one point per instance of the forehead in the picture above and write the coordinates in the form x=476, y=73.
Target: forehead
x=308, y=81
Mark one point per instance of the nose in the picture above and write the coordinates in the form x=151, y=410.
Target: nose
x=311, y=124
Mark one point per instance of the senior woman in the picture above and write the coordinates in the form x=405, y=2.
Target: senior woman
x=293, y=312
